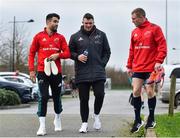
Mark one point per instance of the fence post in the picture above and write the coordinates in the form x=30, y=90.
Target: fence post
x=172, y=95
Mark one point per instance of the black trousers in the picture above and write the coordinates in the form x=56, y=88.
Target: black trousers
x=55, y=82
x=84, y=88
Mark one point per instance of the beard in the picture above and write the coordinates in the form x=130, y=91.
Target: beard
x=54, y=29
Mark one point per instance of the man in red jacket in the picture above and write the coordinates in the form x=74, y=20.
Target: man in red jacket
x=146, y=54
x=51, y=47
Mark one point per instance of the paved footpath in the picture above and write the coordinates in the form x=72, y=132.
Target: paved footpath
x=116, y=116
x=26, y=125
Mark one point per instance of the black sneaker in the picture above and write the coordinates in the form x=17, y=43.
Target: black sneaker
x=150, y=124
x=136, y=126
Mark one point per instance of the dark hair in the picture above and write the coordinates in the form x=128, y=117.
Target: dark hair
x=51, y=15
x=88, y=16
x=139, y=12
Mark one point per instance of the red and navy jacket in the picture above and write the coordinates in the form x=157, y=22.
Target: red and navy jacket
x=148, y=47
x=45, y=46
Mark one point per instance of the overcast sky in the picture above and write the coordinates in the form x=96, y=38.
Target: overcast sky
x=111, y=16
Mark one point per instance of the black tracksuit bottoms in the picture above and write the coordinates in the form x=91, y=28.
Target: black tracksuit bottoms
x=84, y=88
x=55, y=82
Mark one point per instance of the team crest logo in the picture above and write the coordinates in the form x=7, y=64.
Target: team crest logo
x=56, y=40
x=147, y=33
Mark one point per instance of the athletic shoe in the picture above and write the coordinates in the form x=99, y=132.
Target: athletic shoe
x=136, y=126
x=54, y=68
x=84, y=128
x=160, y=75
x=156, y=76
x=97, y=122
x=57, y=123
x=42, y=130
x=150, y=124
x=151, y=78
x=47, y=67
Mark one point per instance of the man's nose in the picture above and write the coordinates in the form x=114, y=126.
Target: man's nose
x=89, y=25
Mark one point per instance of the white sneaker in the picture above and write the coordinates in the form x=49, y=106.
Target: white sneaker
x=57, y=123
x=54, y=68
x=47, y=67
x=42, y=130
x=84, y=128
x=97, y=123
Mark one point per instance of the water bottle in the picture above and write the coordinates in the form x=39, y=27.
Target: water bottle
x=85, y=53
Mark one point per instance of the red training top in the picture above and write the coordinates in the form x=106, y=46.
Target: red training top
x=148, y=46
x=47, y=45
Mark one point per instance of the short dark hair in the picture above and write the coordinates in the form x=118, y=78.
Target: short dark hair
x=88, y=16
x=51, y=15
x=139, y=12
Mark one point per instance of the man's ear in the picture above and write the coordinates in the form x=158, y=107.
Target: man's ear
x=47, y=22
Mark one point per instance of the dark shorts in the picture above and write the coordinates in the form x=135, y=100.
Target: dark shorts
x=141, y=75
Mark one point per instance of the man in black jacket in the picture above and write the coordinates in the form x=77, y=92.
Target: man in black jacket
x=90, y=50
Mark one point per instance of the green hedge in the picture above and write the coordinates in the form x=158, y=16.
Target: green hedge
x=8, y=97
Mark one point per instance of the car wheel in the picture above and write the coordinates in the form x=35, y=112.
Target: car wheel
x=177, y=100
x=165, y=101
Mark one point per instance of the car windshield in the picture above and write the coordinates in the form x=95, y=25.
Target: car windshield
x=29, y=81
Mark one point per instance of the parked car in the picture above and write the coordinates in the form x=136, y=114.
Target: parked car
x=24, y=91
x=26, y=81
x=14, y=74
x=165, y=91
x=65, y=88
x=25, y=78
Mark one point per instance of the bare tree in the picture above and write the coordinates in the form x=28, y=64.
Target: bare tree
x=21, y=47
x=20, y=53
x=4, y=46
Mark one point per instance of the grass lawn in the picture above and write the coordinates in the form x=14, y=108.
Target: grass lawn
x=126, y=130
x=168, y=126
x=127, y=133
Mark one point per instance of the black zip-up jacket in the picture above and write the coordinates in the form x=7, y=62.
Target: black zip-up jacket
x=97, y=45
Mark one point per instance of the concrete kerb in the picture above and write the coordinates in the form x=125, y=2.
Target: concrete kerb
x=150, y=133
x=15, y=106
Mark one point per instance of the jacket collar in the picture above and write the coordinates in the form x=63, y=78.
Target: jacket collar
x=47, y=33
x=88, y=32
x=143, y=25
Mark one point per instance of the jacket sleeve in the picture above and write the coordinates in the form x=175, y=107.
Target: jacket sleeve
x=65, y=52
x=72, y=46
x=161, y=45
x=32, y=52
x=131, y=54
x=106, y=51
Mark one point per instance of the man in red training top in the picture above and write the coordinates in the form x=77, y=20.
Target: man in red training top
x=51, y=47
x=147, y=52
